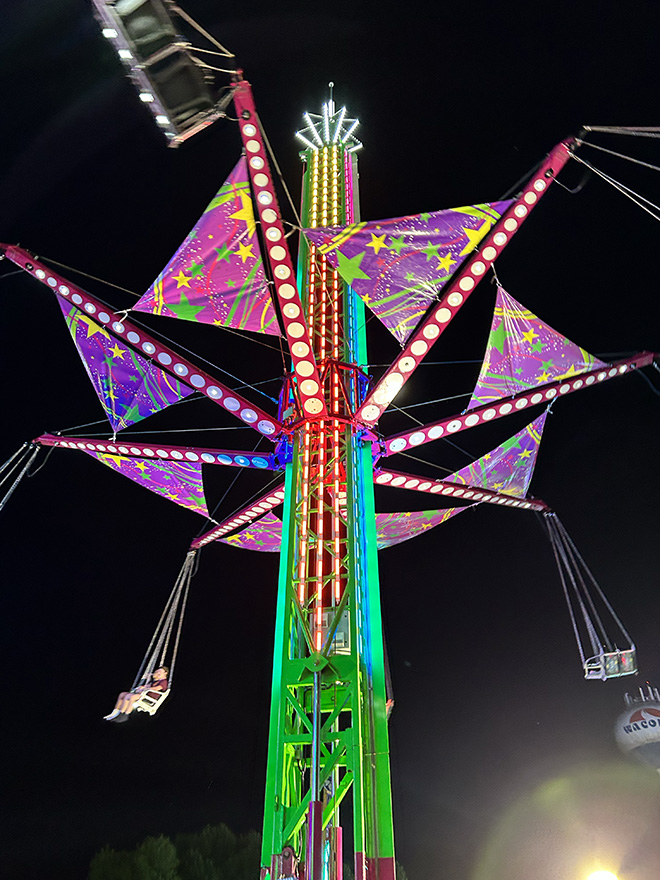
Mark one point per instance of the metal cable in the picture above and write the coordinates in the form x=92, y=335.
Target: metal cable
x=620, y=155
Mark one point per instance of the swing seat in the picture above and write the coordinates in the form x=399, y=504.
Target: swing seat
x=149, y=703
x=614, y=664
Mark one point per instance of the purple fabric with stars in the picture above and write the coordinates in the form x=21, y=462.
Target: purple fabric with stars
x=391, y=528
x=129, y=387
x=394, y=528
x=265, y=534
x=509, y=467
x=398, y=266
x=217, y=275
x=180, y=482
x=524, y=352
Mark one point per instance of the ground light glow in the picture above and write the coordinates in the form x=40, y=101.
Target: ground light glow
x=602, y=875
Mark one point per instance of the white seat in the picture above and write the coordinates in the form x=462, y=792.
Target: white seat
x=614, y=664
x=149, y=702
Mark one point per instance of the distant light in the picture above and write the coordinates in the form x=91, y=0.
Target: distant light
x=147, y=97
x=109, y=33
x=162, y=120
x=602, y=875
x=125, y=54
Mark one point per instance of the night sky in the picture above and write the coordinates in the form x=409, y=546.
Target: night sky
x=503, y=759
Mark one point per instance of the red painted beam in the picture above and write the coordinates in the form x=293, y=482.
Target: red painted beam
x=449, y=489
x=248, y=514
x=278, y=256
x=459, y=289
x=146, y=345
x=489, y=412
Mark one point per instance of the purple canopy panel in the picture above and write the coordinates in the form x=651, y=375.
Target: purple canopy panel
x=217, y=275
x=129, y=387
x=265, y=535
x=524, y=352
x=398, y=266
x=180, y=482
x=509, y=467
x=394, y=528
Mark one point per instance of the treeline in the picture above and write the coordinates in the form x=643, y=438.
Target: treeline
x=215, y=853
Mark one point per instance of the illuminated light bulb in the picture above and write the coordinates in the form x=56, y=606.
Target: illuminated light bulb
x=602, y=875
x=125, y=54
x=109, y=33
x=147, y=97
x=162, y=120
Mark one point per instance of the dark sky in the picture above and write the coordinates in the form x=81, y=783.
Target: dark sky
x=503, y=757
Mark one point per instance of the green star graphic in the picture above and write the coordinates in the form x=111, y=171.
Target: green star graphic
x=230, y=282
x=425, y=217
x=193, y=235
x=518, y=372
x=349, y=269
x=431, y=250
x=547, y=365
x=196, y=269
x=410, y=276
x=132, y=414
x=185, y=309
x=396, y=244
x=498, y=338
x=133, y=379
x=537, y=347
x=223, y=253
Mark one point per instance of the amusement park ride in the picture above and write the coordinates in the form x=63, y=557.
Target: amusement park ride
x=328, y=737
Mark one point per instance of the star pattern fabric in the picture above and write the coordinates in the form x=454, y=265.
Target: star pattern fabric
x=524, y=352
x=265, y=535
x=394, y=528
x=129, y=386
x=180, y=482
x=217, y=275
x=509, y=467
x=398, y=266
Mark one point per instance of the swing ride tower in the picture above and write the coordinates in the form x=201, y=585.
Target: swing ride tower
x=328, y=740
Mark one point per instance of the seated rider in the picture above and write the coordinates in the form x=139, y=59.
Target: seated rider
x=155, y=686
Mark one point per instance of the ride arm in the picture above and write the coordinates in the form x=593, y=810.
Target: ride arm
x=461, y=286
x=277, y=254
x=248, y=514
x=147, y=346
x=162, y=452
x=447, y=488
x=489, y=412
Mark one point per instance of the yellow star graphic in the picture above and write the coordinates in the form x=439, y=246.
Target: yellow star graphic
x=141, y=466
x=544, y=377
x=92, y=326
x=116, y=351
x=474, y=236
x=182, y=280
x=525, y=453
x=117, y=459
x=246, y=213
x=445, y=262
x=530, y=336
x=377, y=242
x=244, y=251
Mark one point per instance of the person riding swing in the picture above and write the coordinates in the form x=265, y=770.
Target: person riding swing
x=155, y=686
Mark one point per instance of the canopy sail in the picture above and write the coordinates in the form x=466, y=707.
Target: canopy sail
x=129, y=386
x=180, y=482
x=524, y=352
x=509, y=467
x=217, y=275
x=398, y=266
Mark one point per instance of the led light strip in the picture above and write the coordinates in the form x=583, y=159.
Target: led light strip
x=459, y=289
x=446, y=488
x=277, y=253
x=147, y=346
x=262, y=505
x=497, y=409
x=131, y=449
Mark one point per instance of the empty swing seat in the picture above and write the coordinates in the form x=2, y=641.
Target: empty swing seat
x=613, y=664
x=150, y=701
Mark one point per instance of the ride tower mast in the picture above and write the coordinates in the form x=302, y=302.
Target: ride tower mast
x=328, y=734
